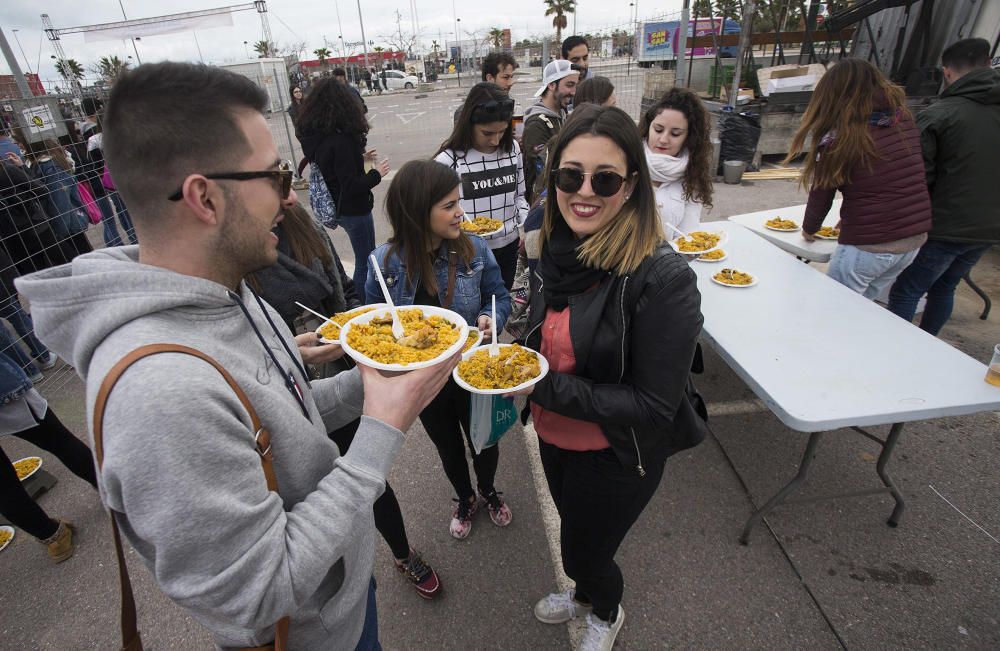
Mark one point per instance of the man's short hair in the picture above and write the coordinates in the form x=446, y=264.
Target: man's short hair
x=339, y=72
x=571, y=42
x=167, y=120
x=966, y=54
x=495, y=61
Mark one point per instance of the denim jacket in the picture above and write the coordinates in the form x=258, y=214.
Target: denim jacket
x=13, y=382
x=474, y=284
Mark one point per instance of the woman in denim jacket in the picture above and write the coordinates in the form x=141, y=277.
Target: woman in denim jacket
x=429, y=260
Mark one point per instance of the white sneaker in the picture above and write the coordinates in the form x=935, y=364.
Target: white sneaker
x=36, y=377
x=600, y=634
x=47, y=361
x=560, y=607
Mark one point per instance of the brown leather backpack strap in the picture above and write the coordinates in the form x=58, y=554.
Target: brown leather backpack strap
x=131, y=640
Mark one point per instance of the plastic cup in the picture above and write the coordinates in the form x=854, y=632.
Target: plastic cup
x=993, y=371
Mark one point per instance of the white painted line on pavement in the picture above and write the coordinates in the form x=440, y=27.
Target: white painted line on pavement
x=963, y=515
x=551, y=521
x=736, y=407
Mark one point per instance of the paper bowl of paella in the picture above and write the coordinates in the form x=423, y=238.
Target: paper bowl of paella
x=329, y=332
x=707, y=238
x=27, y=467
x=430, y=336
x=515, y=368
x=482, y=226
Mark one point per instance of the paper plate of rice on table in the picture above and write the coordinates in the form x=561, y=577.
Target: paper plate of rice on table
x=734, y=278
x=718, y=255
x=705, y=239
x=329, y=332
x=783, y=225
x=515, y=368
x=828, y=233
x=27, y=466
x=430, y=336
x=6, y=535
x=482, y=226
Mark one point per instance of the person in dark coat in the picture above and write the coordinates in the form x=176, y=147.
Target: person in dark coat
x=333, y=131
x=961, y=137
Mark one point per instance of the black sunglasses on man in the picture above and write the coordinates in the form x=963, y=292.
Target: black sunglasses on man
x=283, y=175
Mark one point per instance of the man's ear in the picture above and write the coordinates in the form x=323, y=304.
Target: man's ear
x=203, y=199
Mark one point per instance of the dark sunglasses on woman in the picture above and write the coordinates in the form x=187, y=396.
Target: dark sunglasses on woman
x=604, y=184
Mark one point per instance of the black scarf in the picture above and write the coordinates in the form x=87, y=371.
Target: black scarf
x=563, y=275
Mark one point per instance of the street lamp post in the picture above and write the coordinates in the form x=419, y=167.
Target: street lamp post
x=364, y=40
x=458, y=36
x=26, y=63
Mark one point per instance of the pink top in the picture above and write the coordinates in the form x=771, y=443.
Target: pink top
x=556, y=429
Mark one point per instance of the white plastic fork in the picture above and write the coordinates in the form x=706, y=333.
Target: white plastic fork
x=494, y=346
x=397, y=326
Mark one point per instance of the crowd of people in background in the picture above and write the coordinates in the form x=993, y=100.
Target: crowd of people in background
x=580, y=271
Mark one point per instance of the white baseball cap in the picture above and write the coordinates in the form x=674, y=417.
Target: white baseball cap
x=554, y=71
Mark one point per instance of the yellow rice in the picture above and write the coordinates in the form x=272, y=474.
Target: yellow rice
x=485, y=372
x=5, y=537
x=481, y=225
x=25, y=467
x=331, y=329
x=375, y=341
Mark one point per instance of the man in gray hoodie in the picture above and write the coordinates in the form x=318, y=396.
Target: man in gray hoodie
x=194, y=160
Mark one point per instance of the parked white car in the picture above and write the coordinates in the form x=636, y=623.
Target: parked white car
x=396, y=80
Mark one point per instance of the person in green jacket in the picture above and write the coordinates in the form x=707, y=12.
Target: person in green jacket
x=960, y=137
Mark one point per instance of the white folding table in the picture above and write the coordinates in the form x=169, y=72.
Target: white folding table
x=876, y=368
x=819, y=250
x=793, y=242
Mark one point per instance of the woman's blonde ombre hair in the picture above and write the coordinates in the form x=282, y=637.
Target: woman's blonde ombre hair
x=634, y=233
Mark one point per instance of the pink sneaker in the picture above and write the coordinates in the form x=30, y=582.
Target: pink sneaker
x=499, y=512
x=461, y=518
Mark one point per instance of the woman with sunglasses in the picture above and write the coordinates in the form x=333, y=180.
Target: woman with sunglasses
x=482, y=150
x=616, y=312
x=679, y=156
x=429, y=260
x=333, y=131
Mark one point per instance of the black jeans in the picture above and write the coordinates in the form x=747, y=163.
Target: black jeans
x=446, y=420
x=506, y=257
x=15, y=503
x=388, y=516
x=598, y=502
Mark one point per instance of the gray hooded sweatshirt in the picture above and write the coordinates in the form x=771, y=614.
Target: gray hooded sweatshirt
x=180, y=470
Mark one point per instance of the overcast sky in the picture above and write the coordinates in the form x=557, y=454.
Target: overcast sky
x=291, y=21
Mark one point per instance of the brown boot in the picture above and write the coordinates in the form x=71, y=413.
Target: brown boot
x=60, y=544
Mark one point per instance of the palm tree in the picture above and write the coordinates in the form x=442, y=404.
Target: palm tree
x=70, y=69
x=111, y=68
x=322, y=54
x=496, y=37
x=264, y=49
x=559, y=9
x=378, y=49
x=434, y=48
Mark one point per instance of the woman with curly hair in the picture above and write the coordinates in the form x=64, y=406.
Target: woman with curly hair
x=867, y=145
x=333, y=131
x=679, y=155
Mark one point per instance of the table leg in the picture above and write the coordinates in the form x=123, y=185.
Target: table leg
x=779, y=497
x=883, y=460
x=987, y=303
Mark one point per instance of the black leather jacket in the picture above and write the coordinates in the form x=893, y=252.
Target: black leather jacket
x=634, y=339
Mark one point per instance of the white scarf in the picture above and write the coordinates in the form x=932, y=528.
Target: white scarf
x=664, y=168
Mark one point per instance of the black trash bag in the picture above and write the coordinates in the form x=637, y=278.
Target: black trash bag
x=739, y=133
